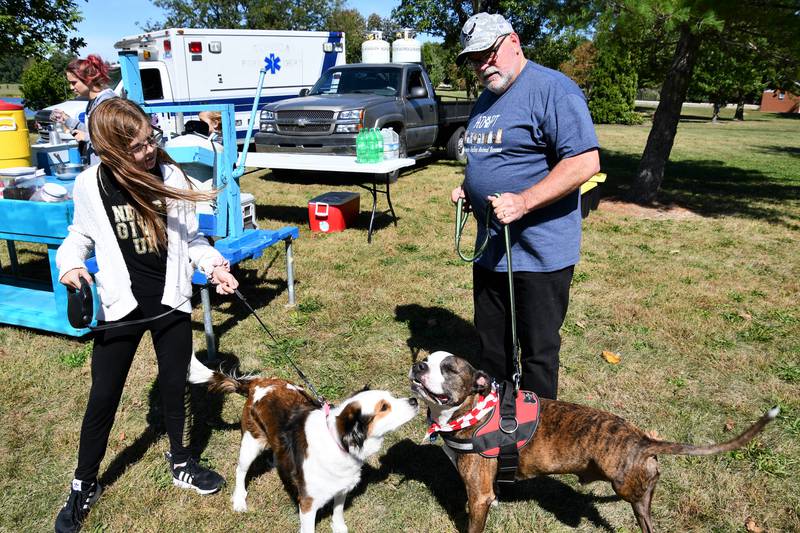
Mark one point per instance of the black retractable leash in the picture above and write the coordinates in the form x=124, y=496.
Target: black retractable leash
x=508, y=458
x=80, y=310
x=319, y=399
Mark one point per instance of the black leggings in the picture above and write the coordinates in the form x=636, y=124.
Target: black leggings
x=541, y=300
x=111, y=360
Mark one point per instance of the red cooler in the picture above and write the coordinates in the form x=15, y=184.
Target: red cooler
x=333, y=211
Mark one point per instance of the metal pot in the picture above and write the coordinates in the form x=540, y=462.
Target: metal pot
x=67, y=171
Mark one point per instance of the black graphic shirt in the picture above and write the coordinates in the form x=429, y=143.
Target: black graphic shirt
x=147, y=265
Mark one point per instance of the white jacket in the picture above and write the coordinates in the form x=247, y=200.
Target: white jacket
x=91, y=231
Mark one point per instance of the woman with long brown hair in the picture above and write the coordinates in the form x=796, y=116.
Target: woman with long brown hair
x=135, y=211
x=89, y=79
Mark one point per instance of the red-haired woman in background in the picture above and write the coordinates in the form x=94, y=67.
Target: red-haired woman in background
x=88, y=78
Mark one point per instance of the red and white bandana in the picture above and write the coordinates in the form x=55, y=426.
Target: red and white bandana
x=482, y=408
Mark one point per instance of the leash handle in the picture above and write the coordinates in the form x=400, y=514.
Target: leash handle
x=461, y=220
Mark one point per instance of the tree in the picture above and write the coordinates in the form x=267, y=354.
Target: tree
x=352, y=24
x=11, y=67
x=250, y=14
x=43, y=85
x=693, y=22
x=34, y=29
x=612, y=86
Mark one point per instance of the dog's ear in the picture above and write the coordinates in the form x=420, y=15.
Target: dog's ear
x=481, y=383
x=353, y=426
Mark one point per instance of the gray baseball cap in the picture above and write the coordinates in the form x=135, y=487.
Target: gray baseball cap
x=480, y=32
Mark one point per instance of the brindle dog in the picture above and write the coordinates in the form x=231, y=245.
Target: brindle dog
x=571, y=439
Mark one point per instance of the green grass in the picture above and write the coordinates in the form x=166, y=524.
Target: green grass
x=698, y=297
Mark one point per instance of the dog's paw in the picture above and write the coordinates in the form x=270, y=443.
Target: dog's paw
x=239, y=503
x=339, y=528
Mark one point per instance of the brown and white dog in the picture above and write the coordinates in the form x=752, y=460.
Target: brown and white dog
x=318, y=452
x=570, y=439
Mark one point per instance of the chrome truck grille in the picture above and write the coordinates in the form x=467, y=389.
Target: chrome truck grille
x=304, y=122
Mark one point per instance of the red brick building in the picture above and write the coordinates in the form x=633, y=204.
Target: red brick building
x=773, y=101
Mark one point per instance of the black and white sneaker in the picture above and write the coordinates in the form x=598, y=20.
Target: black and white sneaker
x=81, y=498
x=192, y=475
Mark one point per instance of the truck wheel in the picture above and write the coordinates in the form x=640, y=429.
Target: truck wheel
x=455, y=145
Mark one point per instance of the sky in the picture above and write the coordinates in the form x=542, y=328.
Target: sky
x=107, y=21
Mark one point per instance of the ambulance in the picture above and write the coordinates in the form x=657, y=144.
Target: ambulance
x=203, y=66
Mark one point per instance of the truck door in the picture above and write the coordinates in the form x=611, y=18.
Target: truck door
x=421, y=117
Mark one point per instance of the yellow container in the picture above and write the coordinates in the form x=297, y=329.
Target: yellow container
x=15, y=146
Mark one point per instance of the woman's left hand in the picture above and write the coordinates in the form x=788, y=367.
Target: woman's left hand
x=78, y=135
x=224, y=280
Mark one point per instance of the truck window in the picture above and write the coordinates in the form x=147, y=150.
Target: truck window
x=381, y=81
x=415, y=80
x=151, y=84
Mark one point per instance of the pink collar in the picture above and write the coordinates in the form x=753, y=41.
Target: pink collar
x=326, y=408
x=485, y=405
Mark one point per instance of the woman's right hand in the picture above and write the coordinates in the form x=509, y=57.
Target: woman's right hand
x=72, y=278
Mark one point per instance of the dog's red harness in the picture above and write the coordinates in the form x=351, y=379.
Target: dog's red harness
x=509, y=426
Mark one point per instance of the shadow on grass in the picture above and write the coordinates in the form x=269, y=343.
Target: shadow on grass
x=206, y=415
x=259, y=290
x=709, y=188
x=437, y=328
x=431, y=467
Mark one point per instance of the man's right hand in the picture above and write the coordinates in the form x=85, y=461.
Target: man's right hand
x=458, y=193
x=73, y=277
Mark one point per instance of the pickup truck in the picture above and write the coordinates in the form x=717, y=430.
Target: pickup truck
x=346, y=98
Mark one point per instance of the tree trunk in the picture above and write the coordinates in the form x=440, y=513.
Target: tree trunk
x=739, y=115
x=665, y=121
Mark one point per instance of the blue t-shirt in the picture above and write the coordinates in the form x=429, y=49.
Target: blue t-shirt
x=513, y=140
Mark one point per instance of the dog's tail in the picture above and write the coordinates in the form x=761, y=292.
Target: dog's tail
x=218, y=381
x=676, y=448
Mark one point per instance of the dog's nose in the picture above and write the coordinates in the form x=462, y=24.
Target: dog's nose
x=420, y=367
x=412, y=402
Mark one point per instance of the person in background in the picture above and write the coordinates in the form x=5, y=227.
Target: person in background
x=530, y=138
x=136, y=213
x=88, y=78
x=213, y=119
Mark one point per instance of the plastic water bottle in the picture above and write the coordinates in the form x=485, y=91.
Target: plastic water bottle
x=373, y=146
x=378, y=146
x=360, y=146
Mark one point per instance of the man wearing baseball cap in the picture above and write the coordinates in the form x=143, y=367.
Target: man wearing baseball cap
x=530, y=137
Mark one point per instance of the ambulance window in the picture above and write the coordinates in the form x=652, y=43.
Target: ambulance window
x=151, y=84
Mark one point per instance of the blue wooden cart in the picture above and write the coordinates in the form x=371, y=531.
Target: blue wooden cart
x=42, y=305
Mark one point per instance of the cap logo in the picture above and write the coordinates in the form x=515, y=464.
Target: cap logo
x=468, y=34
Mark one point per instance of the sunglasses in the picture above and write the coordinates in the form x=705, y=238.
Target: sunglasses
x=487, y=56
x=153, y=140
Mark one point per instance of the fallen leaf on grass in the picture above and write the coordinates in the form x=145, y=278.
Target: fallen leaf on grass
x=580, y=324
x=611, y=357
x=745, y=315
x=751, y=526
x=729, y=424
x=653, y=434
x=121, y=436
